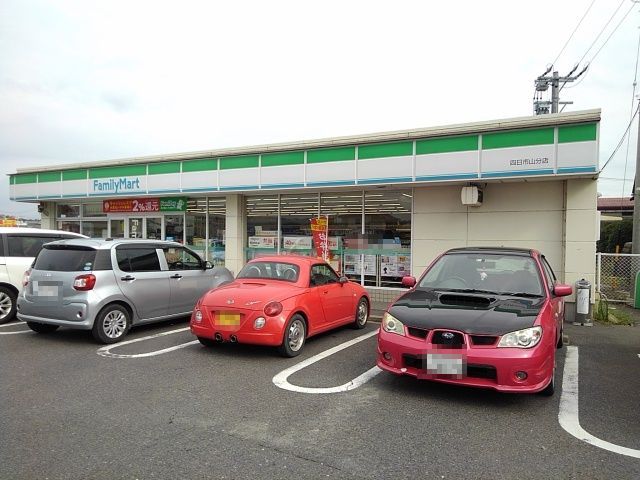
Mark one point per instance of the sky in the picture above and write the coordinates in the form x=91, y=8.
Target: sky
x=85, y=80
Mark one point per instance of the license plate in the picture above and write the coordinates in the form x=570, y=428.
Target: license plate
x=46, y=291
x=446, y=364
x=228, y=319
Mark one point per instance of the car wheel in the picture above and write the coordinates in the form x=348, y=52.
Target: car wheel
x=112, y=324
x=42, y=327
x=560, y=343
x=362, y=314
x=207, y=342
x=550, y=389
x=294, y=336
x=7, y=305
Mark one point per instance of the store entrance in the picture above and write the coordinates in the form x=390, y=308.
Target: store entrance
x=136, y=227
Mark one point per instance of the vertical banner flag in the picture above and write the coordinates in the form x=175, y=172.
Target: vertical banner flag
x=320, y=232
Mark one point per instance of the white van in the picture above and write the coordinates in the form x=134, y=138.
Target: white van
x=18, y=247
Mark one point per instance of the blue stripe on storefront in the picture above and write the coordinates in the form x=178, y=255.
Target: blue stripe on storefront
x=167, y=190
x=331, y=184
x=49, y=196
x=518, y=173
x=240, y=187
x=384, y=180
x=459, y=176
x=200, y=189
x=283, y=185
x=122, y=194
x=576, y=169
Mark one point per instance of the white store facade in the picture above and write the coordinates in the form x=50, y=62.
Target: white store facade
x=393, y=200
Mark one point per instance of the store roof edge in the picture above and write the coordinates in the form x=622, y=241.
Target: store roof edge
x=583, y=116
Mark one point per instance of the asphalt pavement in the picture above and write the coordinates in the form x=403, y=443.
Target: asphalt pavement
x=196, y=412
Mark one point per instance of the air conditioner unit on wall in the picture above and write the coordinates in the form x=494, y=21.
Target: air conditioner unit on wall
x=471, y=196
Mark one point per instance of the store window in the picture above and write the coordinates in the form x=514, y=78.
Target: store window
x=93, y=210
x=68, y=210
x=95, y=229
x=369, y=232
x=295, y=229
x=69, y=226
x=174, y=228
x=217, y=233
x=196, y=225
x=344, y=213
x=262, y=225
x=387, y=219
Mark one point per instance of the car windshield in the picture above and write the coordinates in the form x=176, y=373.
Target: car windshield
x=271, y=270
x=481, y=272
x=70, y=259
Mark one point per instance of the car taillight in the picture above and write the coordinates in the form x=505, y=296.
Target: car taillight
x=25, y=278
x=84, y=282
x=272, y=309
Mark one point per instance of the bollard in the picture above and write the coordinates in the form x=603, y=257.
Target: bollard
x=583, y=303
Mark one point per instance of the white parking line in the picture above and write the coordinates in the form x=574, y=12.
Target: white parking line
x=568, y=414
x=280, y=380
x=14, y=324
x=106, y=350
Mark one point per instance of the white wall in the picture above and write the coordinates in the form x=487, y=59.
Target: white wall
x=514, y=214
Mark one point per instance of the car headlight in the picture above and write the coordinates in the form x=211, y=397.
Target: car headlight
x=527, y=338
x=391, y=324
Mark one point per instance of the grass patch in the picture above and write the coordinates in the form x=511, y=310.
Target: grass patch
x=611, y=315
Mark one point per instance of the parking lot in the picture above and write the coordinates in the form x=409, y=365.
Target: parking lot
x=160, y=405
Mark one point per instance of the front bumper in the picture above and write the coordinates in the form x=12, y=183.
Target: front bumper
x=486, y=367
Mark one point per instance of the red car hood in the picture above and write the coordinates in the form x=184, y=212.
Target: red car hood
x=251, y=294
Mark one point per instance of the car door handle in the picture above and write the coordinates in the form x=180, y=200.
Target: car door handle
x=177, y=275
x=127, y=278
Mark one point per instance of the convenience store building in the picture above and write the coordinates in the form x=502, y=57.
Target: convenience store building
x=393, y=200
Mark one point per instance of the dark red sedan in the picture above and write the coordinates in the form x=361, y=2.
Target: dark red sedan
x=482, y=317
x=280, y=301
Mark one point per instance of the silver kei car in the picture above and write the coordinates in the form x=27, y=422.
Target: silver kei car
x=107, y=286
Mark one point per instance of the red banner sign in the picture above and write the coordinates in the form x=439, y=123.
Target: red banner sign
x=131, y=205
x=320, y=232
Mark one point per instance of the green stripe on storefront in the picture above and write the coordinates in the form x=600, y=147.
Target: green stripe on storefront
x=200, y=165
x=447, y=145
x=124, y=171
x=74, y=175
x=523, y=138
x=247, y=161
x=160, y=168
x=26, y=178
x=283, y=158
x=577, y=133
x=49, y=177
x=382, y=150
x=12, y=180
x=338, y=154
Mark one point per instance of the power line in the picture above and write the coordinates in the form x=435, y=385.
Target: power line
x=614, y=31
x=573, y=33
x=621, y=140
x=633, y=96
x=601, y=31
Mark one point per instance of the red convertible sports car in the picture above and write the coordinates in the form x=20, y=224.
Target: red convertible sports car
x=483, y=317
x=279, y=301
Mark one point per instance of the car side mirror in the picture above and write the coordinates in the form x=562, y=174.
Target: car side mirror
x=409, y=282
x=208, y=265
x=343, y=280
x=562, y=290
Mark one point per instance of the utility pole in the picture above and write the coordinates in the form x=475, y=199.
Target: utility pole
x=557, y=83
x=636, y=199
